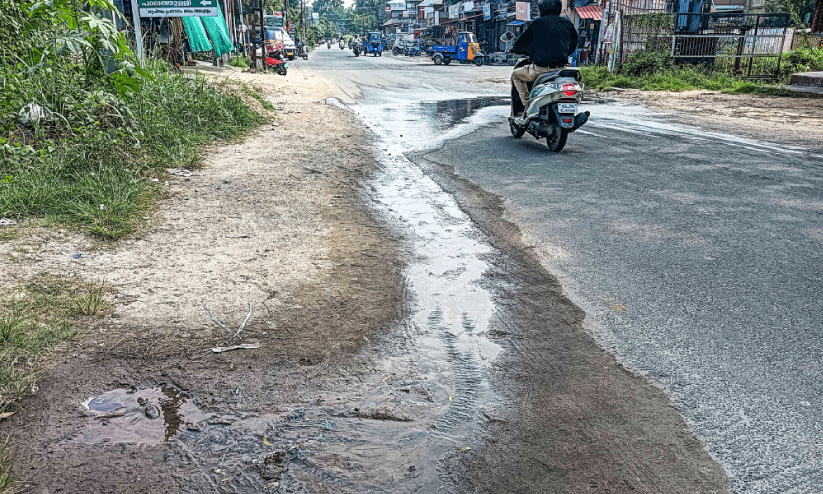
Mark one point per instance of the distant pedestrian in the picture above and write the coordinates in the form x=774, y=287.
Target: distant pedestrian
x=585, y=49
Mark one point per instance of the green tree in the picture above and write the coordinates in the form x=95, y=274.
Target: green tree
x=802, y=11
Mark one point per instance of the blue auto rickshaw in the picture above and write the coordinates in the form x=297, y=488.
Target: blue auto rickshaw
x=465, y=49
x=374, y=43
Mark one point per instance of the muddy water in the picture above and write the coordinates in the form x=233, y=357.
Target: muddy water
x=393, y=429
x=145, y=416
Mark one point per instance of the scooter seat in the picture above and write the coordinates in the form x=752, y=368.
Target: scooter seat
x=557, y=74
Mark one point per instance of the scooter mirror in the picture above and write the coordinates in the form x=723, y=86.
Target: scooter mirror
x=507, y=36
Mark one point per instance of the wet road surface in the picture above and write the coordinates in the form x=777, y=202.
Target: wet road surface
x=696, y=255
x=697, y=258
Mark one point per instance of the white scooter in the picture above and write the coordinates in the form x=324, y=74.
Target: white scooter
x=553, y=103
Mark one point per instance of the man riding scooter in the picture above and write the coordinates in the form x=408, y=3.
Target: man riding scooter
x=548, y=41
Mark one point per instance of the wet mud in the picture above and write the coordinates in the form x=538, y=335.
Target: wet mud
x=445, y=362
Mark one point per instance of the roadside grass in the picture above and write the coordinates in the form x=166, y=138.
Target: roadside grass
x=242, y=62
x=259, y=97
x=89, y=162
x=654, y=71
x=35, y=316
x=6, y=476
x=676, y=79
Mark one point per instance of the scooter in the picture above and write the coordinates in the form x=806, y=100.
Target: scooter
x=274, y=59
x=342, y=44
x=553, y=103
x=328, y=45
x=356, y=49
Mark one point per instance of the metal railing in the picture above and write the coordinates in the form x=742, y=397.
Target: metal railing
x=748, y=45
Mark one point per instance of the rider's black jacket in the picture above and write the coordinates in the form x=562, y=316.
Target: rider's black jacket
x=548, y=41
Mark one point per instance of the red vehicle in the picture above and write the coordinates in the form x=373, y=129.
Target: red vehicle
x=274, y=58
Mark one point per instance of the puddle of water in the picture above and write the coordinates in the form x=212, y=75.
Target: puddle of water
x=147, y=416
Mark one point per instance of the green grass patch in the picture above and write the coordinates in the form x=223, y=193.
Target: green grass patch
x=654, y=71
x=259, y=97
x=35, y=316
x=6, y=476
x=242, y=62
x=89, y=161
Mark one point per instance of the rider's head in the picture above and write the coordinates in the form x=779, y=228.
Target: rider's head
x=549, y=7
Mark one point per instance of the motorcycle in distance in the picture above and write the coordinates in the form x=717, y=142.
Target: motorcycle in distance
x=356, y=48
x=341, y=43
x=328, y=44
x=553, y=102
x=274, y=59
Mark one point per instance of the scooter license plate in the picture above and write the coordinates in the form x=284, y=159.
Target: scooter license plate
x=567, y=108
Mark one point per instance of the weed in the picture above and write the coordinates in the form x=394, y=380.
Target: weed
x=242, y=62
x=90, y=303
x=6, y=477
x=259, y=97
x=8, y=234
x=85, y=161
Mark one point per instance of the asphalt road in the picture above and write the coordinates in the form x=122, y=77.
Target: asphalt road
x=696, y=255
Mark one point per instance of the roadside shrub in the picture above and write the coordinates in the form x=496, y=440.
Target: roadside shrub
x=802, y=60
x=100, y=131
x=242, y=62
x=647, y=62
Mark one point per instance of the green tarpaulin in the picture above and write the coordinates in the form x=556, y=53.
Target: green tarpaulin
x=198, y=41
x=218, y=32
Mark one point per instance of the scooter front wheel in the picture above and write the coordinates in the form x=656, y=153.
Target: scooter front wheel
x=557, y=139
x=517, y=130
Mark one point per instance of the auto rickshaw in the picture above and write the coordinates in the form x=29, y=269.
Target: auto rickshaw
x=466, y=50
x=374, y=43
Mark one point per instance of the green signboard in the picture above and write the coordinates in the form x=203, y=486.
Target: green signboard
x=274, y=20
x=177, y=8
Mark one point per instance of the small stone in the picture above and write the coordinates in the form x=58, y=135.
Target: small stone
x=151, y=411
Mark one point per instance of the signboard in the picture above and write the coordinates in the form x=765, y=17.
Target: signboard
x=487, y=11
x=315, y=17
x=177, y=8
x=397, y=6
x=275, y=19
x=453, y=10
x=522, y=11
x=468, y=6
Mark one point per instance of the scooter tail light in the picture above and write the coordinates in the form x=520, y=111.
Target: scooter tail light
x=569, y=89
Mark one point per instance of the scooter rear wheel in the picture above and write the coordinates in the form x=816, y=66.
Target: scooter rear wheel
x=557, y=139
x=517, y=130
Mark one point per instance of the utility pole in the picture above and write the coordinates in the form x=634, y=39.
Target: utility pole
x=138, y=32
x=303, y=21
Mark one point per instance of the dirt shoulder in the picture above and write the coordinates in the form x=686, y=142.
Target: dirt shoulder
x=793, y=121
x=275, y=219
